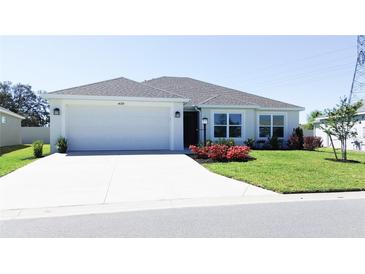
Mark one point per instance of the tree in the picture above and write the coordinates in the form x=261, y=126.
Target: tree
x=311, y=118
x=339, y=122
x=22, y=100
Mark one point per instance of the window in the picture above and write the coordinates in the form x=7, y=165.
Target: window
x=278, y=126
x=227, y=125
x=271, y=125
x=3, y=119
x=220, y=125
x=265, y=126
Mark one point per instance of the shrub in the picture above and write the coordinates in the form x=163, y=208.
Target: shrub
x=274, y=142
x=218, y=152
x=296, y=140
x=311, y=142
x=228, y=142
x=62, y=145
x=201, y=152
x=259, y=144
x=222, y=153
x=249, y=142
x=238, y=153
x=38, y=148
x=270, y=143
x=209, y=142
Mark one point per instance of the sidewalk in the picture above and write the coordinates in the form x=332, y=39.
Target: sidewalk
x=166, y=204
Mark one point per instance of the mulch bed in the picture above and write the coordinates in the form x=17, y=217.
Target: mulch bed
x=210, y=161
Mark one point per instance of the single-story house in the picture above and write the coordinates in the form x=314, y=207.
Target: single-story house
x=163, y=114
x=10, y=128
x=356, y=143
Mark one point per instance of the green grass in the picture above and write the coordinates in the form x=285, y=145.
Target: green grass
x=295, y=171
x=14, y=157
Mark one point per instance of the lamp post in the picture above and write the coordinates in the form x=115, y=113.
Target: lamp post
x=205, y=122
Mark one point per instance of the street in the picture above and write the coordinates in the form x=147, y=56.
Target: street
x=329, y=218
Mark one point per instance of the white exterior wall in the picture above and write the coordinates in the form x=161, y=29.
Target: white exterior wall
x=59, y=127
x=56, y=129
x=177, y=127
x=293, y=121
x=319, y=133
x=359, y=128
x=250, y=121
x=10, y=134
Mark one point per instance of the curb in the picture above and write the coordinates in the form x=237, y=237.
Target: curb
x=48, y=212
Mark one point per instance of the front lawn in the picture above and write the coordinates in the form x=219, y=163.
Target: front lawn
x=14, y=157
x=295, y=171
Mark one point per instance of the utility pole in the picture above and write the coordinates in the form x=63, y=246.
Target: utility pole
x=357, y=92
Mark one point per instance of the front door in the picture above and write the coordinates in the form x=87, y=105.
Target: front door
x=191, y=128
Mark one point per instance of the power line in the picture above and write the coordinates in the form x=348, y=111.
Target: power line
x=306, y=79
x=303, y=67
x=301, y=74
x=275, y=66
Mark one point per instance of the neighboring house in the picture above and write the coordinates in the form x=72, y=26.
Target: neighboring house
x=163, y=113
x=10, y=128
x=357, y=143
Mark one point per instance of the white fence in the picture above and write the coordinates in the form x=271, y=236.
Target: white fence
x=30, y=134
x=308, y=132
x=357, y=143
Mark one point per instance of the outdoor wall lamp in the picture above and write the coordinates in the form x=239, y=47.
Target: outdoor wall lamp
x=177, y=114
x=56, y=111
x=205, y=122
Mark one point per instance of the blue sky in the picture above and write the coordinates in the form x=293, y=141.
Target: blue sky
x=310, y=71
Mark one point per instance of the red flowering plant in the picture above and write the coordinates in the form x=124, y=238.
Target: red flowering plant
x=238, y=153
x=221, y=153
x=218, y=152
x=294, y=142
x=311, y=142
x=201, y=152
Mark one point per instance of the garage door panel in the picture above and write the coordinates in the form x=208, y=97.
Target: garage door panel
x=117, y=127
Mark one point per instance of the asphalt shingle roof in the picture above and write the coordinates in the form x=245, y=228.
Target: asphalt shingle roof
x=11, y=113
x=202, y=93
x=117, y=87
x=197, y=92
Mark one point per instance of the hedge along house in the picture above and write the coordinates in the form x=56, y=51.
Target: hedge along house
x=163, y=114
x=10, y=128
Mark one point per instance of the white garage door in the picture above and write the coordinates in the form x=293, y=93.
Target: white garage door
x=117, y=127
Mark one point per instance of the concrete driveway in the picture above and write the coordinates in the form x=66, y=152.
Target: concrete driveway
x=106, y=178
